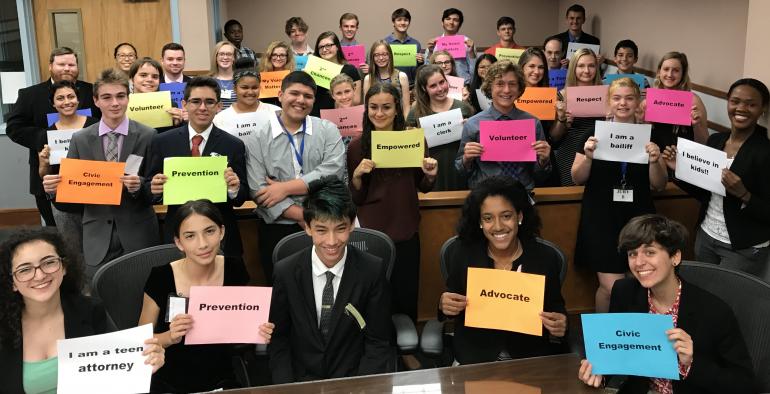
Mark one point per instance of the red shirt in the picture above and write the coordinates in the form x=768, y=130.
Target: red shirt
x=491, y=50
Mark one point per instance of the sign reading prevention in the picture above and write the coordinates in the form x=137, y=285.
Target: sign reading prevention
x=194, y=178
x=700, y=165
x=512, y=54
x=398, y=149
x=623, y=142
x=228, y=314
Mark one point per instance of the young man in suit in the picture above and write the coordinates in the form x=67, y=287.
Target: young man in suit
x=110, y=231
x=201, y=138
x=576, y=17
x=28, y=120
x=172, y=60
x=330, y=301
x=286, y=153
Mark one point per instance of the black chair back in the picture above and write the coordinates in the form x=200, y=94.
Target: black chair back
x=120, y=282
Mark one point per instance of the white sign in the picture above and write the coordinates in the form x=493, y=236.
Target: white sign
x=575, y=46
x=484, y=102
x=11, y=82
x=700, y=165
x=443, y=127
x=59, y=144
x=455, y=87
x=623, y=142
x=133, y=164
x=106, y=363
x=242, y=125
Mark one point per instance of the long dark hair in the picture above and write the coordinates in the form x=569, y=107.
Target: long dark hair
x=528, y=54
x=399, y=123
x=201, y=207
x=422, y=98
x=11, y=302
x=333, y=36
x=476, y=80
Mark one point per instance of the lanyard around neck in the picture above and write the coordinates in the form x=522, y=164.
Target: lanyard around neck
x=297, y=153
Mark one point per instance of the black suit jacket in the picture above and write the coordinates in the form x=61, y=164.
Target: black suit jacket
x=298, y=351
x=83, y=316
x=185, y=79
x=27, y=121
x=721, y=362
x=585, y=38
x=176, y=143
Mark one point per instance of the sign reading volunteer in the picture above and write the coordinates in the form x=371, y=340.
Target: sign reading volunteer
x=150, y=109
x=90, y=182
x=228, y=314
x=507, y=140
x=398, y=149
x=505, y=300
x=623, y=142
x=194, y=178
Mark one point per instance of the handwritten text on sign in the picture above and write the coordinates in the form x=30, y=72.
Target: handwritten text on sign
x=443, y=127
x=455, y=45
x=348, y=120
x=404, y=55
x=322, y=71
x=228, y=314
x=624, y=142
x=573, y=47
x=507, y=140
x=270, y=83
x=700, y=165
x=243, y=125
x=355, y=54
x=176, y=89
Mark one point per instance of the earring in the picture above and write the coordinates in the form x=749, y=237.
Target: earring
x=519, y=222
x=481, y=226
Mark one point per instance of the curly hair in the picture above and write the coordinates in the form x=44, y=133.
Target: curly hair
x=498, y=70
x=11, y=302
x=468, y=229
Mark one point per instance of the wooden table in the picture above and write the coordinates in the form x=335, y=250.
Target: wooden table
x=551, y=374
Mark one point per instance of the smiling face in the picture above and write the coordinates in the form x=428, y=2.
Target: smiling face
x=623, y=104
x=146, y=79
x=125, y=58
x=445, y=62
x=381, y=56
x=652, y=265
x=42, y=287
x=65, y=101
x=201, y=107
x=625, y=60
x=437, y=87
x=401, y=24
x=670, y=73
x=575, y=21
x=499, y=222
x=327, y=49
x=585, y=70
x=296, y=101
x=64, y=67
x=534, y=70
x=199, y=238
x=343, y=95
x=381, y=110
x=247, y=90
x=278, y=58
x=225, y=57
x=744, y=107
x=349, y=27
x=483, y=66
x=112, y=100
x=505, y=90
x=173, y=61
x=330, y=237
x=553, y=54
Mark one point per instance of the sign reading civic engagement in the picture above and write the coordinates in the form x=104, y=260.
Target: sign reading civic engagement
x=54, y=117
x=587, y=101
x=404, y=55
x=669, y=106
x=322, y=70
x=511, y=54
x=540, y=102
x=150, y=109
x=355, y=55
x=270, y=83
x=557, y=78
x=228, y=314
x=507, y=140
x=106, y=363
x=59, y=144
x=244, y=124
x=701, y=165
x=90, y=182
x=505, y=300
x=576, y=46
x=455, y=45
x=443, y=127
x=349, y=121
x=194, y=178
x=176, y=89
x=623, y=142
x=398, y=149
x=630, y=344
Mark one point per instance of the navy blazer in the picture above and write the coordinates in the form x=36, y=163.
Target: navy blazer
x=83, y=316
x=585, y=38
x=721, y=362
x=176, y=143
x=298, y=351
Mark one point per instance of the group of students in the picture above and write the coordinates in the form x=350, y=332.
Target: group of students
x=305, y=177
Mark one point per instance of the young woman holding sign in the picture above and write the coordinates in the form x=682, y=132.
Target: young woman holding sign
x=603, y=214
x=734, y=230
x=479, y=72
x=431, y=89
x=40, y=289
x=328, y=47
x=383, y=71
x=247, y=90
x=497, y=230
x=710, y=350
x=198, y=231
x=145, y=76
x=387, y=197
x=277, y=57
x=222, y=63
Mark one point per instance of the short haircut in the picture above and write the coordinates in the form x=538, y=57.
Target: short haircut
x=244, y=63
x=627, y=44
x=453, y=11
x=497, y=70
x=136, y=65
x=110, y=76
x=576, y=8
x=468, y=229
x=646, y=229
x=684, y=84
x=757, y=85
x=115, y=51
x=553, y=38
x=349, y=16
x=299, y=77
x=400, y=13
x=625, y=82
x=231, y=23
x=171, y=46
x=202, y=82
x=64, y=83
x=201, y=207
x=339, y=80
x=60, y=52
x=505, y=20
x=328, y=198
x=295, y=21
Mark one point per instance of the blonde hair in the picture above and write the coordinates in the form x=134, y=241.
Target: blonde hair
x=625, y=82
x=339, y=80
x=684, y=83
x=436, y=54
x=214, y=65
x=571, y=70
x=266, y=65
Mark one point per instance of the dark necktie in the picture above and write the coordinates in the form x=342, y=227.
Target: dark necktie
x=327, y=302
x=509, y=169
x=112, y=146
x=196, y=143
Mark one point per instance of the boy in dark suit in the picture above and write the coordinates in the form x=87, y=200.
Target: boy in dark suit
x=331, y=301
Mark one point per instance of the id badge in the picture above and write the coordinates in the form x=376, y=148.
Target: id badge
x=226, y=94
x=176, y=306
x=622, y=195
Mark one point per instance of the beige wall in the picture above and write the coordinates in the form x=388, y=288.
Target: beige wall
x=756, y=63
x=196, y=24
x=263, y=21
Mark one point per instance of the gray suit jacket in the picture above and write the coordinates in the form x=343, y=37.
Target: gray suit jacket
x=134, y=218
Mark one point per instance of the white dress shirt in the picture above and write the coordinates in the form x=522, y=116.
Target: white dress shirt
x=319, y=278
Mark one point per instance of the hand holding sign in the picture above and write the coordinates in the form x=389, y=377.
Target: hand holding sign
x=507, y=140
x=623, y=142
x=700, y=165
x=455, y=45
x=228, y=314
x=451, y=304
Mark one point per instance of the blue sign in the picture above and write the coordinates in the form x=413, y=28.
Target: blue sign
x=638, y=78
x=54, y=117
x=176, y=89
x=557, y=78
x=301, y=61
x=630, y=344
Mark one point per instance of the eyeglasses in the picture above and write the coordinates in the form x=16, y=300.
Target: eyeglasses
x=444, y=63
x=325, y=47
x=121, y=56
x=196, y=102
x=279, y=56
x=225, y=54
x=49, y=266
x=380, y=55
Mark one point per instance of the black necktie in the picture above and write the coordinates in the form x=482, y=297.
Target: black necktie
x=327, y=302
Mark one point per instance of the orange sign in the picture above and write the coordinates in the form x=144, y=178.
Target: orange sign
x=90, y=182
x=505, y=300
x=540, y=102
x=270, y=83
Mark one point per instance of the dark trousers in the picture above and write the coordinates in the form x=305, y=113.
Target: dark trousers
x=44, y=207
x=269, y=235
x=405, y=279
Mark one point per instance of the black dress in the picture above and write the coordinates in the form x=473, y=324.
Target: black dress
x=323, y=98
x=573, y=142
x=191, y=368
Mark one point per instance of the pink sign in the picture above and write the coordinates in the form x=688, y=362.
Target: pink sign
x=455, y=87
x=355, y=54
x=587, y=101
x=507, y=140
x=455, y=45
x=669, y=106
x=350, y=121
x=228, y=314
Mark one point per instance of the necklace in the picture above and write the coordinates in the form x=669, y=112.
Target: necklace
x=514, y=256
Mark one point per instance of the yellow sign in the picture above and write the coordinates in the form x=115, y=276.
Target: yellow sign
x=505, y=300
x=511, y=54
x=149, y=109
x=398, y=149
x=322, y=71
